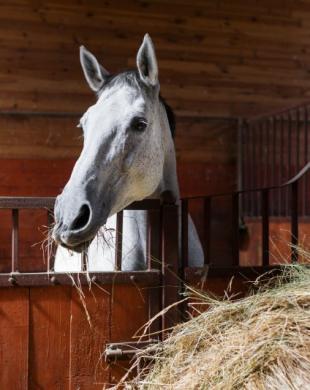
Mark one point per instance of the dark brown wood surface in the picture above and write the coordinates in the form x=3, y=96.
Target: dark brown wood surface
x=225, y=58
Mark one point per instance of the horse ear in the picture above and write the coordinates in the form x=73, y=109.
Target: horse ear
x=94, y=73
x=146, y=62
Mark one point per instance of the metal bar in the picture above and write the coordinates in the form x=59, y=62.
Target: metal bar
x=154, y=293
x=261, y=154
x=297, y=140
x=19, y=202
x=207, y=230
x=294, y=221
x=273, y=166
x=254, y=172
x=149, y=241
x=306, y=181
x=15, y=222
x=170, y=264
x=289, y=157
x=184, y=232
x=119, y=241
x=248, y=170
x=281, y=191
x=8, y=202
x=84, y=260
x=265, y=227
x=146, y=204
x=126, y=350
x=235, y=229
x=144, y=278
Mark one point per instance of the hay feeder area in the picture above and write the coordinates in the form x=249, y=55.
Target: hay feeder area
x=258, y=342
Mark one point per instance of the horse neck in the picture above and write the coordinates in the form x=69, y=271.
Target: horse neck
x=169, y=180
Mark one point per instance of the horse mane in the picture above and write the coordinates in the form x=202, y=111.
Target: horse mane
x=131, y=77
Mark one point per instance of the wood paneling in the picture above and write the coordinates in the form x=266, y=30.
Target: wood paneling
x=54, y=338
x=216, y=58
x=14, y=340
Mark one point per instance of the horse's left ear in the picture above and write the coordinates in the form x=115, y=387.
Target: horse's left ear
x=146, y=62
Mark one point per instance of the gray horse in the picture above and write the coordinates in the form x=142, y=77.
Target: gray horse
x=128, y=155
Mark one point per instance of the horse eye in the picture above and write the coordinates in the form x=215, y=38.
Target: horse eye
x=138, y=124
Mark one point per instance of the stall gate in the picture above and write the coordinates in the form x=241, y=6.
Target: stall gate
x=70, y=331
x=54, y=327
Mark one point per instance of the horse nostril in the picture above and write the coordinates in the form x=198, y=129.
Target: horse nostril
x=82, y=219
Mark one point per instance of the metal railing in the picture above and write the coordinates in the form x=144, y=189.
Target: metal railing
x=273, y=148
x=292, y=186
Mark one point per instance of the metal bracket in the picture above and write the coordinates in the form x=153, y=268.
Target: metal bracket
x=126, y=350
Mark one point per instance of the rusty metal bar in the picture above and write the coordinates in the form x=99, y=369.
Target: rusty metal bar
x=126, y=350
x=273, y=165
x=144, y=278
x=19, y=202
x=265, y=227
x=119, y=241
x=294, y=221
x=15, y=223
x=207, y=228
x=297, y=140
x=281, y=191
x=184, y=233
x=289, y=157
x=261, y=153
x=235, y=229
x=84, y=260
x=306, y=179
x=254, y=171
x=170, y=264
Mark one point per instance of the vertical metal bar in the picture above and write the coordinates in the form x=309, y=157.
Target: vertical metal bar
x=247, y=162
x=281, y=191
x=294, y=221
x=84, y=260
x=289, y=158
x=207, y=230
x=170, y=264
x=235, y=229
x=268, y=152
x=254, y=172
x=50, y=251
x=274, y=181
x=265, y=227
x=119, y=241
x=184, y=232
x=149, y=241
x=305, y=179
x=261, y=153
x=15, y=223
x=297, y=141
x=154, y=293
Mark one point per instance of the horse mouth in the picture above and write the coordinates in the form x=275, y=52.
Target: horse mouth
x=79, y=248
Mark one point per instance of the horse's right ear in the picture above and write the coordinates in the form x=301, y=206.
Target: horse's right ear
x=94, y=73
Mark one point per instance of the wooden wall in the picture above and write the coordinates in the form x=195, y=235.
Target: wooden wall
x=224, y=58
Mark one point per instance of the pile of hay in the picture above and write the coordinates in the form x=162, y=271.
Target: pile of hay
x=258, y=342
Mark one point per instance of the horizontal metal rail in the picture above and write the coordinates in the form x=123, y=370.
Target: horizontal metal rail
x=32, y=279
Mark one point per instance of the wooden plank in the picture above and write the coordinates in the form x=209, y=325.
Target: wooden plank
x=90, y=331
x=129, y=305
x=49, y=358
x=229, y=54
x=14, y=325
